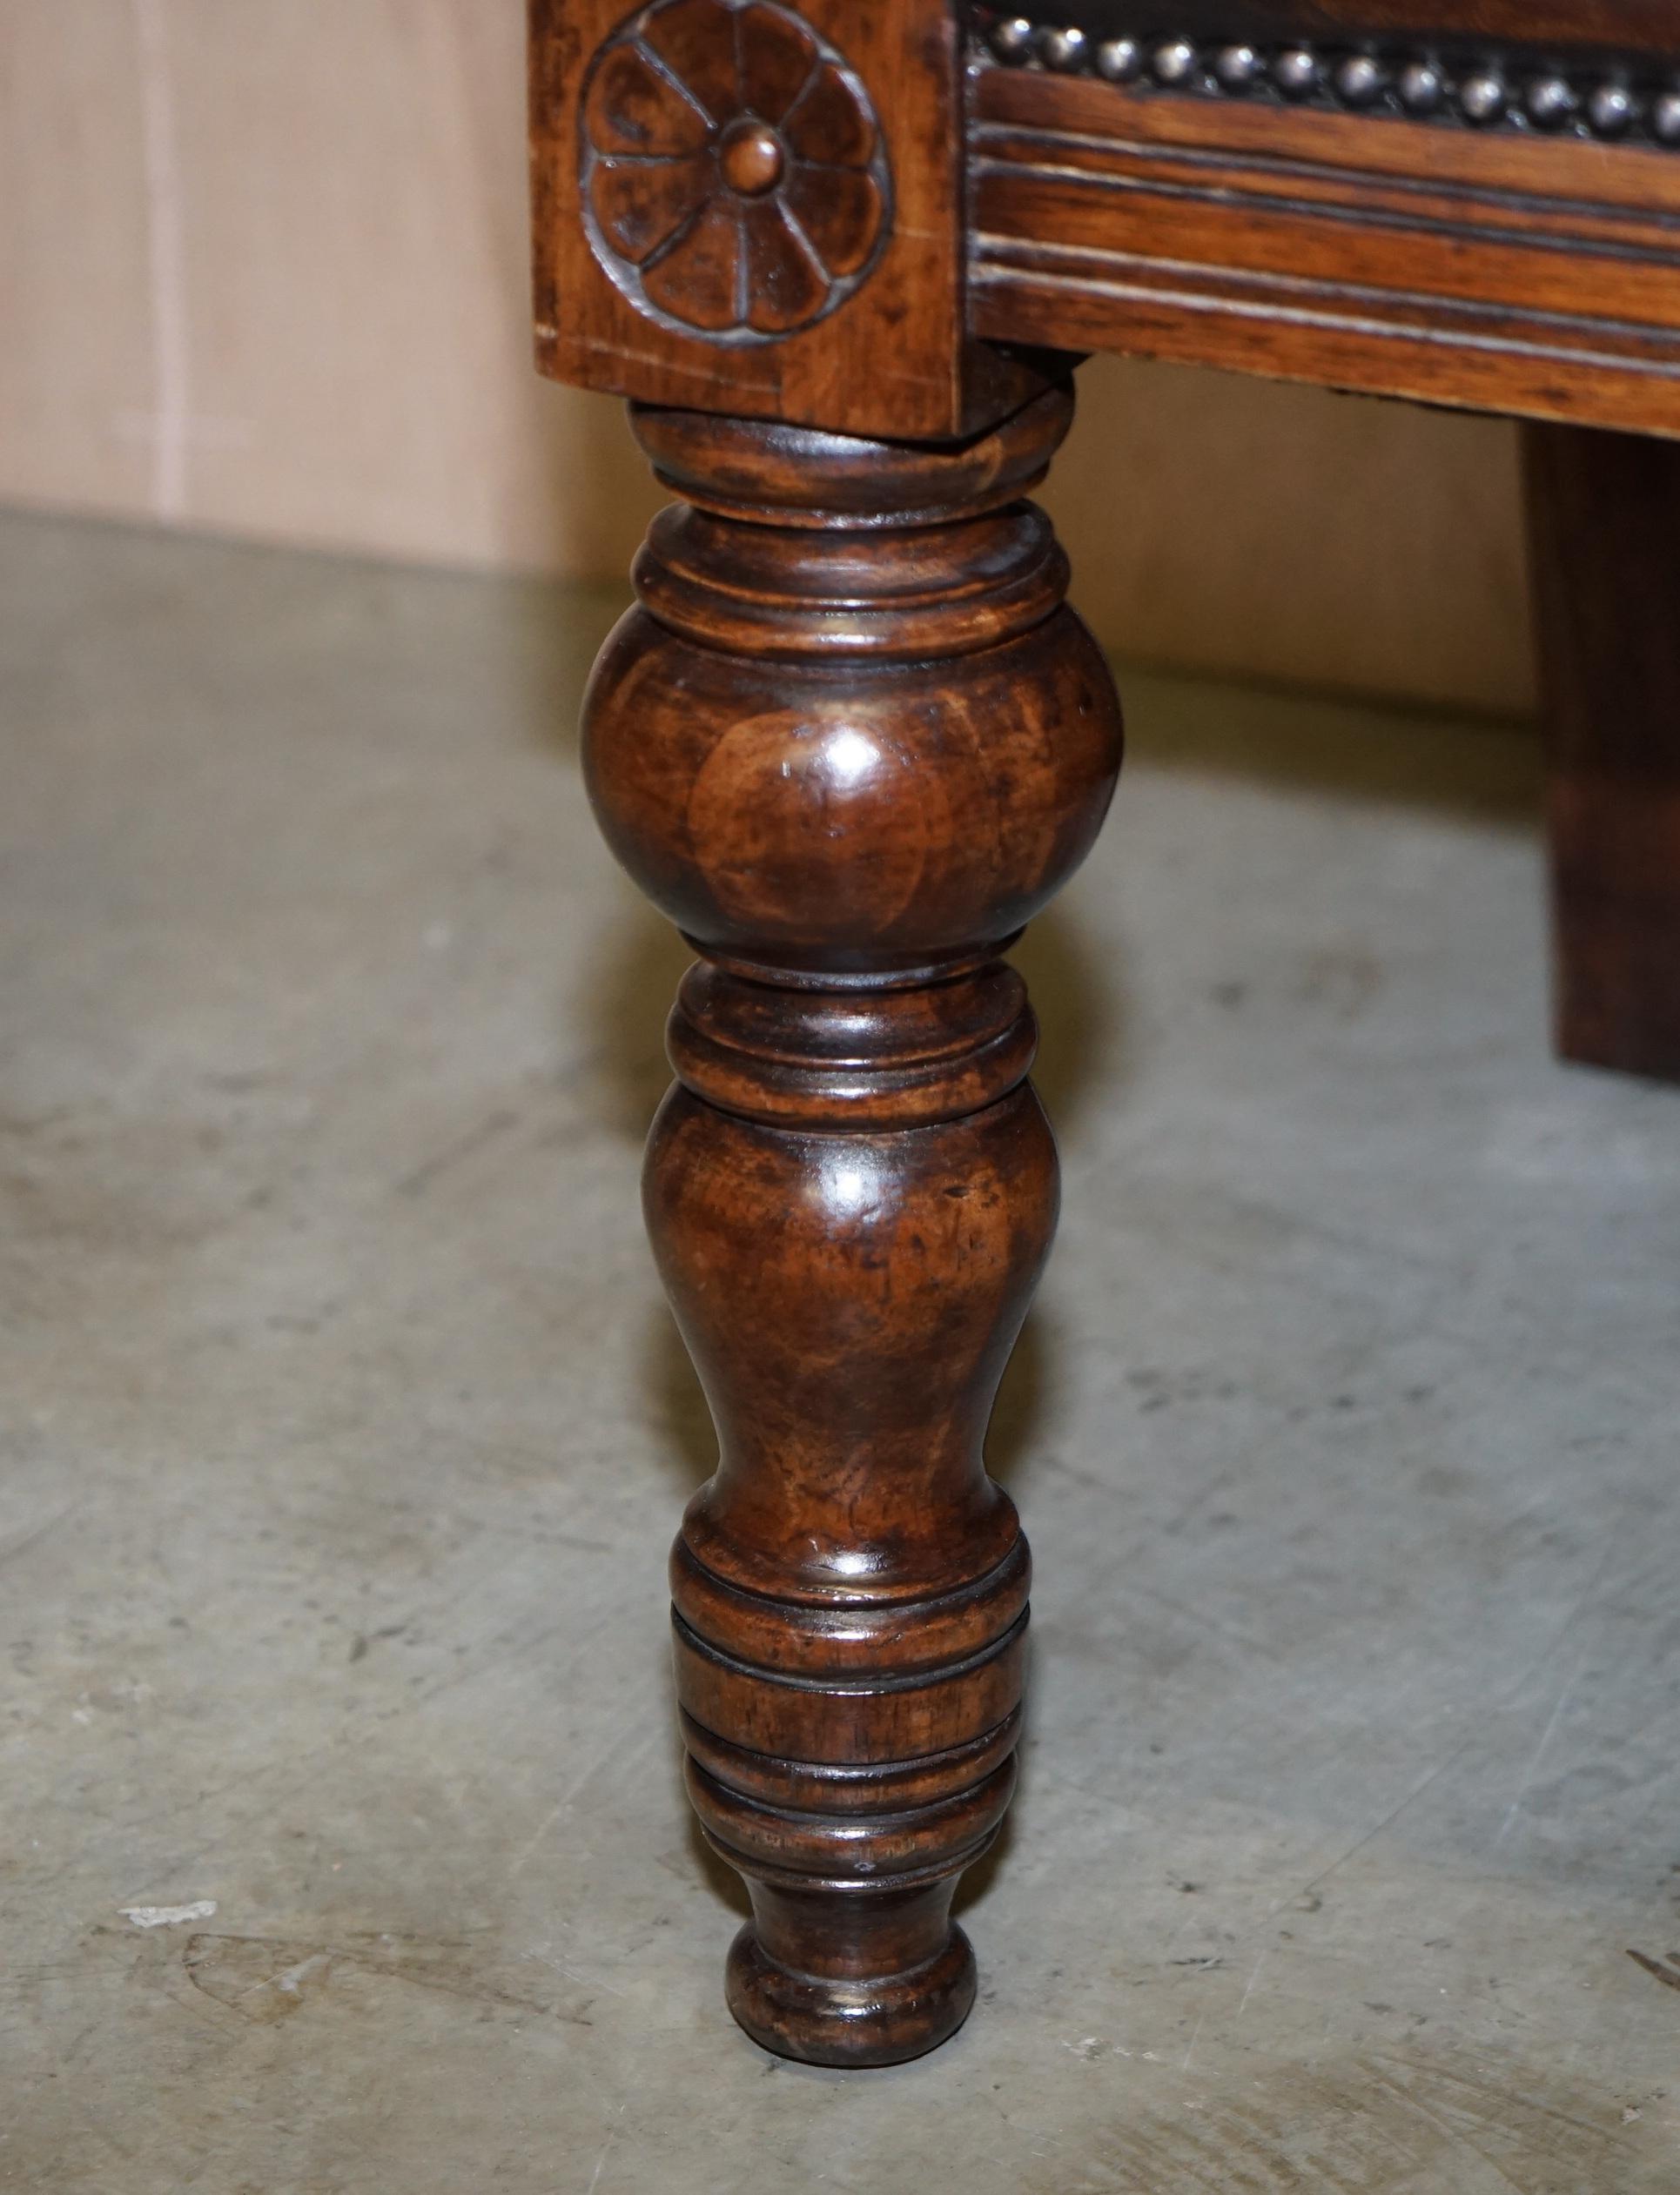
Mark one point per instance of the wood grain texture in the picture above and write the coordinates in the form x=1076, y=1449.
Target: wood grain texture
x=872, y=339
x=1536, y=278
x=851, y=740
x=1604, y=517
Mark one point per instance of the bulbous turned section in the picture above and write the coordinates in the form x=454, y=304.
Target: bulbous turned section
x=872, y=748
x=850, y=1301
x=850, y=741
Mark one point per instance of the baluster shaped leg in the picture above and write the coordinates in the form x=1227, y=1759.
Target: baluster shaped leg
x=851, y=740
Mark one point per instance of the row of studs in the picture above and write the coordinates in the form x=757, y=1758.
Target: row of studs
x=1487, y=96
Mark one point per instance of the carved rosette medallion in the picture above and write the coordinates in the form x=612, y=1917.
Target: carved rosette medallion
x=735, y=182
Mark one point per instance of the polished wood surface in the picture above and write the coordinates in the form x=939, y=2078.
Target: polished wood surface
x=851, y=742
x=830, y=295
x=1497, y=272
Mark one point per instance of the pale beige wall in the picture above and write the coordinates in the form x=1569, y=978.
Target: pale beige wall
x=262, y=267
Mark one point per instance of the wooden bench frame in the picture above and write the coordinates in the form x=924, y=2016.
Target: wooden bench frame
x=843, y=260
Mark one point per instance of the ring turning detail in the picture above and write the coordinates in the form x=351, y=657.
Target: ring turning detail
x=735, y=175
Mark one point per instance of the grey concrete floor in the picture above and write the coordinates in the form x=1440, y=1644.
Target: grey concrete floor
x=345, y=1431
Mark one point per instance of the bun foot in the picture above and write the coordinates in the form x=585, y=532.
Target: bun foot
x=880, y=2019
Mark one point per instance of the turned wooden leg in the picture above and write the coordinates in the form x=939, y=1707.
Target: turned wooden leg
x=851, y=741
x=1605, y=520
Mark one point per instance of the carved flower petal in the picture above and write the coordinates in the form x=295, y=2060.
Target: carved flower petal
x=784, y=286
x=830, y=124
x=840, y=211
x=632, y=108
x=777, y=57
x=640, y=205
x=695, y=281
x=695, y=40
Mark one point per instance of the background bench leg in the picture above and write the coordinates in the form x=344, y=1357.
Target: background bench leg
x=1604, y=527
